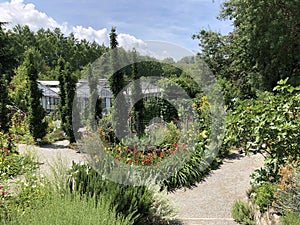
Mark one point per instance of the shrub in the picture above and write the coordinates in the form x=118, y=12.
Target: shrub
x=242, y=213
x=287, y=197
x=21, y=195
x=128, y=200
x=264, y=195
x=72, y=209
x=290, y=218
x=11, y=163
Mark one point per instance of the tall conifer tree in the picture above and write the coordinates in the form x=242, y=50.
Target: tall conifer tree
x=36, y=112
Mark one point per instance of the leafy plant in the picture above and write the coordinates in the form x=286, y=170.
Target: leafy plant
x=242, y=213
x=11, y=163
x=72, y=209
x=290, y=218
x=264, y=195
x=270, y=125
x=128, y=200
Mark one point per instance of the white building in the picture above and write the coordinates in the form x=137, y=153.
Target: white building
x=50, y=90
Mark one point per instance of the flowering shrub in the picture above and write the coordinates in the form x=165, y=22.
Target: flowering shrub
x=7, y=145
x=11, y=163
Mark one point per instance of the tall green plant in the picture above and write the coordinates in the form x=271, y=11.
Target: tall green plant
x=116, y=82
x=4, y=102
x=137, y=98
x=67, y=86
x=36, y=117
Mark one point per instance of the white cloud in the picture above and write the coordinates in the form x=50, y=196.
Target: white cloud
x=129, y=42
x=90, y=34
x=17, y=12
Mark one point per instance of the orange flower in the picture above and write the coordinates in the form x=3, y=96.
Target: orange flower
x=161, y=154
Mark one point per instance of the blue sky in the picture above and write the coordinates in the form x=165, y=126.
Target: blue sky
x=172, y=21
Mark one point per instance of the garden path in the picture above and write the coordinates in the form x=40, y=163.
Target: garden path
x=207, y=204
x=53, y=154
x=210, y=202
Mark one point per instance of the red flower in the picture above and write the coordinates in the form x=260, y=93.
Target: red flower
x=129, y=161
x=1, y=187
x=144, y=160
x=149, y=160
x=175, y=145
x=4, y=193
x=135, y=151
x=161, y=154
x=117, y=159
x=158, y=164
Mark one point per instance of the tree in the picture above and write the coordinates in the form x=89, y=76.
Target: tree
x=70, y=87
x=62, y=92
x=270, y=33
x=228, y=59
x=94, y=107
x=37, y=123
x=4, y=102
x=67, y=87
x=116, y=82
x=137, y=97
x=4, y=99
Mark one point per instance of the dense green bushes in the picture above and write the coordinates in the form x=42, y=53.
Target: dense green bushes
x=131, y=202
x=270, y=125
x=72, y=209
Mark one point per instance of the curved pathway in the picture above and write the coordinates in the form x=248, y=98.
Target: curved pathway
x=207, y=204
x=53, y=154
x=210, y=202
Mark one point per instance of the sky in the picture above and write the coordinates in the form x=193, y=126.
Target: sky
x=137, y=21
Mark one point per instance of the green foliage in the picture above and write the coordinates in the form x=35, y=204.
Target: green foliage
x=290, y=218
x=19, y=92
x=36, y=113
x=67, y=89
x=264, y=195
x=70, y=88
x=242, y=213
x=20, y=128
x=11, y=163
x=62, y=90
x=161, y=108
x=116, y=81
x=194, y=171
x=4, y=101
x=14, y=164
x=129, y=200
x=270, y=40
x=72, y=209
x=94, y=104
x=137, y=98
x=269, y=124
x=7, y=57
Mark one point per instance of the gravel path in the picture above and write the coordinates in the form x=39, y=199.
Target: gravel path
x=207, y=204
x=210, y=203
x=52, y=154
